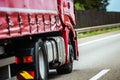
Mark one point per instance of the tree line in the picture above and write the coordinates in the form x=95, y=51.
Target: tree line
x=99, y=5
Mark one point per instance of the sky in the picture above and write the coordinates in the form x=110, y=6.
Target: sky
x=114, y=5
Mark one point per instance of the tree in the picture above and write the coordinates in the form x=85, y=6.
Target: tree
x=104, y=4
x=79, y=4
x=92, y=4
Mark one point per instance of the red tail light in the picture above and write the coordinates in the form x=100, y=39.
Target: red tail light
x=27, y=59
x=16, y=60
x=24, y=59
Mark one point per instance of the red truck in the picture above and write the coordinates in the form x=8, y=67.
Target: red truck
x=36, y=36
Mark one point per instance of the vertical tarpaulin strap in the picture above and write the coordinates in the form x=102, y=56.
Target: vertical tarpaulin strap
x=26, y=75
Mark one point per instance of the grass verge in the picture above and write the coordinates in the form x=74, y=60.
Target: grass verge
x=88, y=34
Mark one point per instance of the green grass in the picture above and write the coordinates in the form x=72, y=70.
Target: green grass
x=88, y=34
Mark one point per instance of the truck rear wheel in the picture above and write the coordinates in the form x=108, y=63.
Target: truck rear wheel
x=67, y=68
x=41, y=62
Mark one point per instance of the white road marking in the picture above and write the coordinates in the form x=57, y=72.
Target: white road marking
x=108, y=37
x=100, y=74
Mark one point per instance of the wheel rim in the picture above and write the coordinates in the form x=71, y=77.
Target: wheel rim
x=41, y=64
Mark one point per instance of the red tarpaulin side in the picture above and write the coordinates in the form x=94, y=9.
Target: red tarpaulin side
x=30, y=4
x=28, y=17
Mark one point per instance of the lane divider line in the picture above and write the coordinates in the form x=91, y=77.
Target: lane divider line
x=100, y=74
x=89, y=42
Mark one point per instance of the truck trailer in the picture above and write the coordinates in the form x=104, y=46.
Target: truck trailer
x=35, y=37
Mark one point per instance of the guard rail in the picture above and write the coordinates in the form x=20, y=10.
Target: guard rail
x=95, y=28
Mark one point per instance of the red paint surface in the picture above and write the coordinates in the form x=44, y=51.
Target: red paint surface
x=15, y=23
x=30, y=4
x=65, y=37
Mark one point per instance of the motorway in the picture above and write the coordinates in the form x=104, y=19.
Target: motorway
x=99, y=59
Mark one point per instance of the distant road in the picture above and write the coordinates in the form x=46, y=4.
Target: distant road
x=99, y=59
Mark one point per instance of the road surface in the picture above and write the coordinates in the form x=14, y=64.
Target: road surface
x=99, y=59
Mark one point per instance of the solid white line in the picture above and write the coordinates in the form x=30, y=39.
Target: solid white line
x=108, y=37
x=100, y=74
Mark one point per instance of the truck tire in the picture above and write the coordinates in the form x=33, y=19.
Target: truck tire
x=67, y=68
x=41, y=62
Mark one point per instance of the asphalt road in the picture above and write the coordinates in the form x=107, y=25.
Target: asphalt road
x=99, y=59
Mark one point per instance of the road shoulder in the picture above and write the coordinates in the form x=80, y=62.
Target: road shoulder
x=87, y=39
